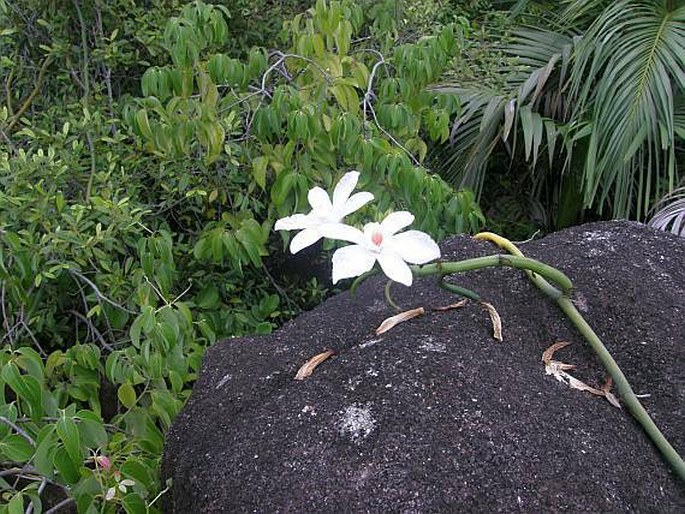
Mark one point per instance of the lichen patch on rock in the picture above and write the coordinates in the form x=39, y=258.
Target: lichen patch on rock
x=357, y=422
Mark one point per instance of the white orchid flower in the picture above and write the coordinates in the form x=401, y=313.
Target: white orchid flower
x=325, y=218
x=380, y=242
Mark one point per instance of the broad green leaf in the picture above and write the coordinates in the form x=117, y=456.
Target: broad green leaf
x=134, y=504
x=16, y=504
x=31, y=361
x=46, y=446
x=26, y=387
x=91, y=430
x=15, y=448
x=127, y=395
x=259, y=165
x=69, y=435
x=144, y=123
x=66, y=466
x=135, y=469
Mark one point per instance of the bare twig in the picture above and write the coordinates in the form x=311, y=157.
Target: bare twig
x=281, y=291
x=107, y=70
x=41, y=488
x=161, y=493
x=18, y=430
x=60, y=505
x=32, y=336
x=84, y=48
x=5, y=320
x=369, y=95
x=8, y=89
x=96, y=333
x=32, y=95
x=8, y=141
x=262, y=91
x=98, y=293
x=391, y=137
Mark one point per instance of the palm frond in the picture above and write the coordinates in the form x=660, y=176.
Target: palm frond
x=532, y=101
x=669, y=213
x=624, y=73
x=612, y=91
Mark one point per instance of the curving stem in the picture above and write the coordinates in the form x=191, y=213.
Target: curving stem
x=627, y=395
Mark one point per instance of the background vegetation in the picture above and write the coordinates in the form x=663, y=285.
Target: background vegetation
x=147, y=147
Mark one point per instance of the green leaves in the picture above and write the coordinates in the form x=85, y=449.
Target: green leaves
x=69, y=435
x=609, y=96
x=16, y=448
x=126, y=395
x=119, y=265
x=633, y=96
x=244, y=245
x=26, y=387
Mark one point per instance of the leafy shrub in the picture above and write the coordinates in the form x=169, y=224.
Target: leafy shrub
x=289, y=119
x=127, y=247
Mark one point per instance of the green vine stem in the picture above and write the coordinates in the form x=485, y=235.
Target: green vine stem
x=388, y=296
x=538, y=273
x=461, y=291
x=512, y=261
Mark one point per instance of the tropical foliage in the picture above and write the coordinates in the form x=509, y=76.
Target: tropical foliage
x=148, y=149
x=669, y=213
x=592, y=109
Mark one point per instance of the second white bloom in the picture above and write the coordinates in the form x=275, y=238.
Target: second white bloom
x=381, y=242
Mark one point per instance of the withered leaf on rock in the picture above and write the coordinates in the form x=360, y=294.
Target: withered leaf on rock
x=559, y=371
x=451, y=306
x=308, y=367
x=398, y=318
x=496, y=320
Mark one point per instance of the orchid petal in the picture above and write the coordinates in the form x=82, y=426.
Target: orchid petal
x=318, y=199
x=396, y=221
x=351, y=261
x=294, y=222
x=342, y=232
x=394, y=267
x=343, y=189
x=356, y=202
x=415, y=247
x=303, y=239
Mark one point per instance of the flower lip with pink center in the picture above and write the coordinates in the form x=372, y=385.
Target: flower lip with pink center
x=381, y=242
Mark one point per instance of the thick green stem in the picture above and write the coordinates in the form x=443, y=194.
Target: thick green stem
x=627, y=395
x=513, y=261
x=461, y=291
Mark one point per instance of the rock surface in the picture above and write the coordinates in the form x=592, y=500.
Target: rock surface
x=435, y=415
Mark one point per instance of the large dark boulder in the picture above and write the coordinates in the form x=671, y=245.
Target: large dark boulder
x=435, y=415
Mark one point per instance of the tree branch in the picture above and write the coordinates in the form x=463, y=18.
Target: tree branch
x=29, y=99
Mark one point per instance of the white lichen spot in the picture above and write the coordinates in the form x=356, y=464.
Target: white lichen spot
x=378, y=305
x=357, y=422
x=431, y=346
x=353, y=382
x=309, y=409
